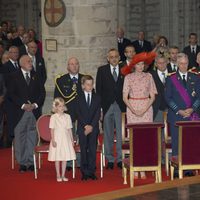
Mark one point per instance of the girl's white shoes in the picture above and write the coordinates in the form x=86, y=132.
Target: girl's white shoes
x=65, y=179
x=60, y=179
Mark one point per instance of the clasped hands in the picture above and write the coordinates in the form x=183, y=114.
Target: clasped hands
x=185, y=113
x=29, y=107
x=139, y=113
x=88, y=129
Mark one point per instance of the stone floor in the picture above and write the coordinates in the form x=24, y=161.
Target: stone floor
x=187, y=192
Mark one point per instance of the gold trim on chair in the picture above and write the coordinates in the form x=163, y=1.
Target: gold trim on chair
x=178, y=162
x=133, y=168
x=167, y=141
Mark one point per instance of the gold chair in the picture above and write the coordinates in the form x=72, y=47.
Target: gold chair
x=167, y=144
x=125, y=139
x=188, y=148
x=145, y=150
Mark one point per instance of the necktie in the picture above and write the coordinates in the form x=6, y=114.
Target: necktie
x=27, y=78
x=184, y=81
x=16, y=65
x=163, y=78
x=193, y=50
x=34, y=63
x=88, y=100
x=141, y=44
x=114, y=74
x=75, y=80
x=174, y=69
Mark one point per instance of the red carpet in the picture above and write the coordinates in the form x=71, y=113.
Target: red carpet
x=17, y=186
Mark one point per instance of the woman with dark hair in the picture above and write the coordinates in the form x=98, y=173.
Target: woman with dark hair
x=162, y=47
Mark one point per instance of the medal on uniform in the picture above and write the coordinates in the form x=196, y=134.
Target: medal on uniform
x=74, y=87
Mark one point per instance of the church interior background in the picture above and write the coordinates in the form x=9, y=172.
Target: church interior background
x=86, y=28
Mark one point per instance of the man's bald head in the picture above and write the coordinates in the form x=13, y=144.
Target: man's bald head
x=73, y=65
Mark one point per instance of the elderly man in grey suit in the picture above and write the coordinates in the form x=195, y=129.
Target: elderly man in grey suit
x=109, y=84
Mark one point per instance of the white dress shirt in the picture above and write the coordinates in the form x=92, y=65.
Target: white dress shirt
x=181, y=74
x=72, y=76
x=116, y=69
x=86, y=96
x=161, y=76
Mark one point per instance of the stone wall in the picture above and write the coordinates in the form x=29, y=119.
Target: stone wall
x=143, y=15
x=174, y=19
x=87, y=32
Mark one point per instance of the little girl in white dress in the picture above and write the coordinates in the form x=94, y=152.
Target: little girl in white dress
x=61, y=146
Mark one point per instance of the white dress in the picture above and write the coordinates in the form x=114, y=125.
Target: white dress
x=64, y=150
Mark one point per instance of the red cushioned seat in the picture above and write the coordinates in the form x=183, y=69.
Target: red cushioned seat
x=145, y=150
x=189, y=148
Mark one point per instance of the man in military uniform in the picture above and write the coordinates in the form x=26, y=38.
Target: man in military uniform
x=183, y=97
x=68, y=86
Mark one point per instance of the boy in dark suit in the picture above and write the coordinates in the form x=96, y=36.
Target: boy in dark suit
x=88, y=112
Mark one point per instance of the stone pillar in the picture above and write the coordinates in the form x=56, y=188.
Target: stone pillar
x=87, y=32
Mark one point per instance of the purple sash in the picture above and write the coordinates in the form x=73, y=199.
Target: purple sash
x=185, y=96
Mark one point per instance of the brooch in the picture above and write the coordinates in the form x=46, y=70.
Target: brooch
x=193, y=93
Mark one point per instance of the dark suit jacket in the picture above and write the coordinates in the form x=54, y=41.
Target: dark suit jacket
x=169, y=68
x=109, y=90
x=146, y=46
x=40, y=69
x=6, y=69
x=22, y=51
x=159, y=103
x=64, y=88
x=88, y=115
x=121, y=48
x=20, y=93
x=192, y=57
x=17, y=42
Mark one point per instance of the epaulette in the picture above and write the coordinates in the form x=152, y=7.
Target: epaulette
x=169, y=74
x=58, y=76
x=193, y=70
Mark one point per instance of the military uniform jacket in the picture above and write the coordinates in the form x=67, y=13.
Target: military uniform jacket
x=174, y=99
x=65, y=88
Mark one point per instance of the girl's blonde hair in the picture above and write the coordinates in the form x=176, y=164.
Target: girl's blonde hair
x=57, y=101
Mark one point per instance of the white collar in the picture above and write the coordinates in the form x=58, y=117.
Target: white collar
x=13, y=62
x=160, y=72
x=116, y=67
x=181, y=74
x=86, y=93
x=71, y=76
x=24, y=72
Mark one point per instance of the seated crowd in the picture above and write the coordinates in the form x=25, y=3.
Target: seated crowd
x=141, y=78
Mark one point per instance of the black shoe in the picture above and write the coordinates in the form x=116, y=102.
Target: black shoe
x=176, y=175
x=68, y=168
x=22, y=168
x=84, y=177
x=93, y=177
x=31, y=168
x=110, y=165
x=119, y=164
